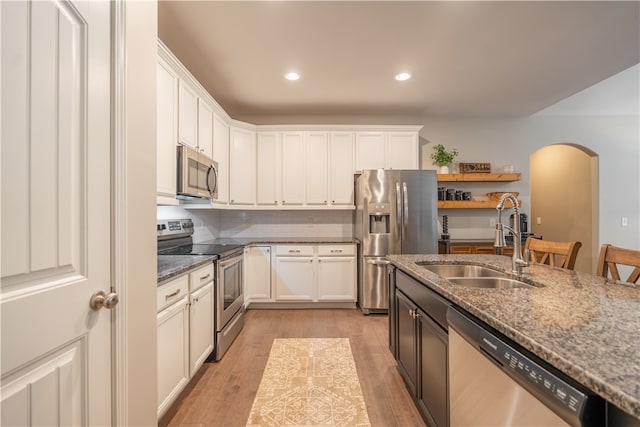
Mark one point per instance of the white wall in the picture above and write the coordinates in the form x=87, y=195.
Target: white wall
x=139, y=302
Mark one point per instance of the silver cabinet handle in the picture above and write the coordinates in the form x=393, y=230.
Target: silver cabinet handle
x=378, y=262
x=100, y=299
x=206, y=276
x=336, y=251
x=172, y=294
x=294, y=251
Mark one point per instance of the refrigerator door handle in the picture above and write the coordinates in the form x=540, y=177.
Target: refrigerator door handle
x=378, y=262
x=398, y=209
x=405, y=209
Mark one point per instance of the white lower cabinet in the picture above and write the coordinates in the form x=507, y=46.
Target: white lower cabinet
x=336, y=278
x=315, y=273
x=295, y=279
x=257, y=273
x=185, y=331
x=201, y=327
x=173, y=341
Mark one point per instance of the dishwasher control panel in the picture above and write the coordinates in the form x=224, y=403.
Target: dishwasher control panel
x=531, y=372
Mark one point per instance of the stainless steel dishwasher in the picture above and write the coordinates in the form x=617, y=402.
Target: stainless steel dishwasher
x=493, y=382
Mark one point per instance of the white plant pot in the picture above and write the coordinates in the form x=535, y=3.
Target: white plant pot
x=443, y=169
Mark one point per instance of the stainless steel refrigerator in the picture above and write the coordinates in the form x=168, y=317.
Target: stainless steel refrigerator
x=396, y=213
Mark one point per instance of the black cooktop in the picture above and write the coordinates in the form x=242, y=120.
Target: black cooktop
x=222, y=250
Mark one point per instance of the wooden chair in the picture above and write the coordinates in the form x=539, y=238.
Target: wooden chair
x=555, y=254
x=612, y=256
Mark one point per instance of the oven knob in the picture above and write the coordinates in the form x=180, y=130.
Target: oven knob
x=161, y=227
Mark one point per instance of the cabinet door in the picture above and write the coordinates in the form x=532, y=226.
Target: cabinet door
x=485, y=249
x=406, y=336
x=187, y=115
x=167, y=135
x=173, y=353
x=341, y=168
x=205, y=128
x=294, y=278
x=292, y=169
x=257, y=273
x=242, y=167
x=221, y=155
x=336, y=279
x=317, y=168
x=370, y=152
x=461, y=249
x=201, y=327
x=433, y=394
x=268, y=168
x=402, y=150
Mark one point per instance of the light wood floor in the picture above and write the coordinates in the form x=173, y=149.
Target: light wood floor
x=222, y=393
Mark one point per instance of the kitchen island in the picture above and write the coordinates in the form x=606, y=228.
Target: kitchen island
x=585, y=326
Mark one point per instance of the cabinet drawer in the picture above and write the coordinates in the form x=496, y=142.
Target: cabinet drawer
x=172, y=291
x=294, y=250
x=336, y=250
x=200, y=277
x=485, y=249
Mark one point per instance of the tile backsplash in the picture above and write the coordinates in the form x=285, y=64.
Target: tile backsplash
x=219, y=223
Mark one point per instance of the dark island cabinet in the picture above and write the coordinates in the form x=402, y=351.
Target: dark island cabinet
x=421, y=347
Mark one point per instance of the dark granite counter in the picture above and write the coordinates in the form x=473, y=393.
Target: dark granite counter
x=584, y=325
x=170, y=266
x=285, y=240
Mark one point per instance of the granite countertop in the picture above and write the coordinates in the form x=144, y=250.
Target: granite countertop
x=170, y=266
x=585, y=326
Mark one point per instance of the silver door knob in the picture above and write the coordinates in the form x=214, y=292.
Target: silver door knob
x=99, y=299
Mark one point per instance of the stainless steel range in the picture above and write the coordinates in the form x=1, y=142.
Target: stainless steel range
x=174, y=238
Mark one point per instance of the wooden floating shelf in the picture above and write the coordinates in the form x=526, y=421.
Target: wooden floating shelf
x=472, y=204
x=478, y=177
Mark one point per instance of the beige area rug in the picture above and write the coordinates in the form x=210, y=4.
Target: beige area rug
x=309, y=382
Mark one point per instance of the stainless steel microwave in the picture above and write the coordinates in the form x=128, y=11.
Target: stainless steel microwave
x=197, y=175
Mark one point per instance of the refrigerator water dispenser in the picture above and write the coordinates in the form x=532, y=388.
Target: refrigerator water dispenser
x=379, y=218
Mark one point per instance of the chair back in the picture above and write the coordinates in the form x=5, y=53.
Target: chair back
x=612, y=256
x=555, y=254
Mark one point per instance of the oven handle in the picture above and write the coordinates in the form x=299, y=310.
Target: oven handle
x=232, y=259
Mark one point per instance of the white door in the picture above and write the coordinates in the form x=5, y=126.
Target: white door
x=242, y=167
x=56, y=364
x=341, y=164
x=402, y=150
x=292, y=169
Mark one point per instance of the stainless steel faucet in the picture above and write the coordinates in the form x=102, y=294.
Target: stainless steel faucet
x=517, y=262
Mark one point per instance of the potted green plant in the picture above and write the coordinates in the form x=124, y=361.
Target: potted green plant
x=442, y=157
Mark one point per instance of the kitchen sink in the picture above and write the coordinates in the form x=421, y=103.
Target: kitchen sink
x=461, y=270
x=488, y=282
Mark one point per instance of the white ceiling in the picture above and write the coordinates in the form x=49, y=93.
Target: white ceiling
x=467, y=58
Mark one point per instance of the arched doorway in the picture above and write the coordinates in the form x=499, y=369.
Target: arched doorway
x=564, y=198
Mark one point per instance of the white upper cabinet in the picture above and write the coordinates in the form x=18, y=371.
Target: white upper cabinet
x=317, y=167
x=341, y=168
x=242, y=167
x=370, y=150
x=402, y=150
x=167, y=133
x=187, y=115
x=205, y=128
x=221, y=155
x=292, y=168
x=386, y=150
x=268, y=168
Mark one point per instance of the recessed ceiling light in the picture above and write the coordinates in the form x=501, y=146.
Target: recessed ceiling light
x=403, y=76
x=292, y=76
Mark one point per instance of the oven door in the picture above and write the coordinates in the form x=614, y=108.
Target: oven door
x=230, y=297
